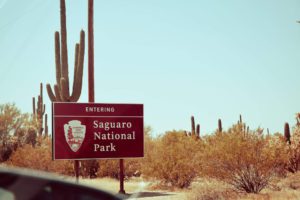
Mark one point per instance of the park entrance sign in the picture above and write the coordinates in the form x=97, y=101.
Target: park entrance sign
x=94, y=130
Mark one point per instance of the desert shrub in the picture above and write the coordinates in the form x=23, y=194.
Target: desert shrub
x=211, y=190
x=132, y=167
x=7, y=148
x=39, y=158
x=110, y=168
x=89, y=168
x=246, y=160
x=170, y=159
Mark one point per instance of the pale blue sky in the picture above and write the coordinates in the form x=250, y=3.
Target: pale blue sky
x=211, y=59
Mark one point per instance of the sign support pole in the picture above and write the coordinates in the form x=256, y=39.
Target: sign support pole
x=122, y=191
x=76, y=165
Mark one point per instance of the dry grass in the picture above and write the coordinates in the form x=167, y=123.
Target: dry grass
x=204, y=189
x=210, y=189
x=280, y=189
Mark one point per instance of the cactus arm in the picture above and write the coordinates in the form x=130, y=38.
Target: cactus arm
x=62, y=88
x=198, y=131
x=50, y=93
x=76, y=66
x=44, y=109
x=33, y=106
x=193, y=125
x=64, y=48
x=57, y=59
x=39, y=105
x=41, y=92
x=57, y=93
x=46, y=125
x=78, y=84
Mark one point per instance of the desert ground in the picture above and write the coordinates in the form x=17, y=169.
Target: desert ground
x=287, y=188
x=135, y=189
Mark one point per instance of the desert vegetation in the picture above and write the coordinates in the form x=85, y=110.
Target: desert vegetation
x=238, y=159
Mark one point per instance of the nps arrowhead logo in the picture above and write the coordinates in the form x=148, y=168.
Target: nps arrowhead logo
x=74, y=134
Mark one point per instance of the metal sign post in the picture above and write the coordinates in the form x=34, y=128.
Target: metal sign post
x=122, y=191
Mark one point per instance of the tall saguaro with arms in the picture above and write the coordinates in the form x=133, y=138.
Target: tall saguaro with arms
x=61, y=89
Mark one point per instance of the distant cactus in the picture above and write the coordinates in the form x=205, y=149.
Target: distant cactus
x=185, y=133
x=220, y=125
x=287, y=134
x=193, y=125
x=46, y=125
x=39, y=110
x=198, y=131
x=62, y=87
x=241, y=120
x=297, y=119
x=195, y=130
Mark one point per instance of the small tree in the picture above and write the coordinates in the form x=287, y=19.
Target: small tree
x=12, y=123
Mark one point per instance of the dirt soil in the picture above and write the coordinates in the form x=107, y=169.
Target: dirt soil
x=135, y=189
x=287, y=188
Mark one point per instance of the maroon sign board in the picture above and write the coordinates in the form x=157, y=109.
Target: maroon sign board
x=95, y=130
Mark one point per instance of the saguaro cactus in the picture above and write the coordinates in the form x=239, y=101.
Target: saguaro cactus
x=193, y=125
x=287, y=134
x=220, y=125
x=240, y=121
x=195, y=130
x=39, y=110
x=198, y=131
x=46, y=125
x=62, y=87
